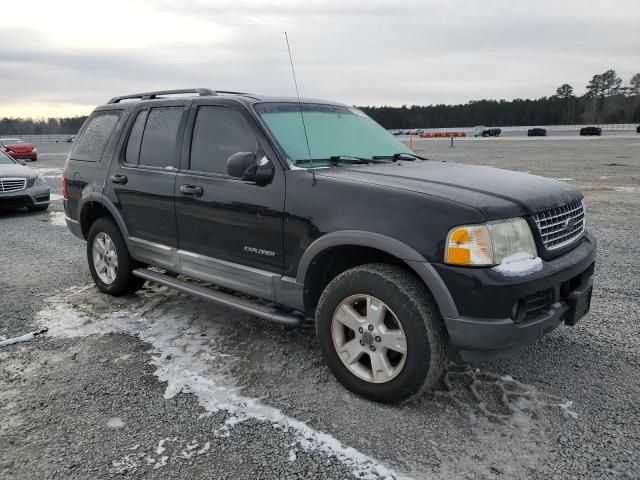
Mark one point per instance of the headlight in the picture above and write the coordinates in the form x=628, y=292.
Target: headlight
x=40, y=180
x=489, y=243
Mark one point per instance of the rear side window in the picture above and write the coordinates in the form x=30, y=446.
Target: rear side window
x=93, y=141
x=160, y=138
x=219, y=132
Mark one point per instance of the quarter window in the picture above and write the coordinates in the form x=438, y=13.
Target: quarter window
x=219, y=132
x=132, y=153
x=91, y=144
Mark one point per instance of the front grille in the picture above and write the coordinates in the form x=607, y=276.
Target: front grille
x=561, y=226
x=12, y=184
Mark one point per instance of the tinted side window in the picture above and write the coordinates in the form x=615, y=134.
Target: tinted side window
x=91, y=144
x=132, y=153
x=218, y=133
x=159, y=141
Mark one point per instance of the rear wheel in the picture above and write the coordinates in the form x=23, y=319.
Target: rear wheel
x=380, y=333
x=109, y=260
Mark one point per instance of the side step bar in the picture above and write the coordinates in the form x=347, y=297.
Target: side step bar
x=221, y=298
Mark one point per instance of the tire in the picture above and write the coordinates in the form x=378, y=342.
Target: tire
x=122, y=281
x=38, y=208
x=410, y=310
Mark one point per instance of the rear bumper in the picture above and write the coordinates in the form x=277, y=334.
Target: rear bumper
x=29, y=197
x=486, y=300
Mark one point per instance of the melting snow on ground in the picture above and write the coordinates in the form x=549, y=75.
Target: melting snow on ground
x=57, y=218
x=183, y=359
x=519, y=265
x=22, y=338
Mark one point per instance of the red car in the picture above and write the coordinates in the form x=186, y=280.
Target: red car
x=18, y=149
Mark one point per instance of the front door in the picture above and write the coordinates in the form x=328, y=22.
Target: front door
x=230, y=231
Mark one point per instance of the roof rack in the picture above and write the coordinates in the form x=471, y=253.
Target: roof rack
x=202, y=92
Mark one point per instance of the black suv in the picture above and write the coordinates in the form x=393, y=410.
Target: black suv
x=311, y=209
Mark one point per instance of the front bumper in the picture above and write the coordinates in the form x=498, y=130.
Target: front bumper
x=487, y=300
x=29, y=197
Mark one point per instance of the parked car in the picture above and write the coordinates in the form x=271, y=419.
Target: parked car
x=21, y=186
x=70, y=139
x=481, y=131
x=591, y=131
x=638, y=129
x=395, y=256
x=18, y=149
x=537, y=132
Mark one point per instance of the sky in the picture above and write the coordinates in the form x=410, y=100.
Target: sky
x=65, y=57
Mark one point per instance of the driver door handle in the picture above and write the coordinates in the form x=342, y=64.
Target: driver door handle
x=191, y=190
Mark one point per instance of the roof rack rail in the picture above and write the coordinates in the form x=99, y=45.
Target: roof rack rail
x=202, y=92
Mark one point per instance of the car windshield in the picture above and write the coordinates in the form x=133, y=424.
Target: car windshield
x=332, y=131
x=5, y=159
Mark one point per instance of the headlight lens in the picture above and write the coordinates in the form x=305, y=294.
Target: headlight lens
x=489, y=243
x=40, y=180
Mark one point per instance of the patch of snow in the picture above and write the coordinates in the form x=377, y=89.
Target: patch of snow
x=57, y=218
x=23, y=338
x=204, y=449
x=519, y=265
x=292, y=455
x=49, y=172
x=507, y=378
x=161, y=448
x=55, y=196
x=626, y=189
x=162, y=462
x=174, y=331
x=115, y=423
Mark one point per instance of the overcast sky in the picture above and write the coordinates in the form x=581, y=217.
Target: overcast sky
x=64, y=57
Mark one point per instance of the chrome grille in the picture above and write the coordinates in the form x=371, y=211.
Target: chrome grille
x=12, y=184
x=561, y=226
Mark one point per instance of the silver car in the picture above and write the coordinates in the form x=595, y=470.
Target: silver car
x=21, y=186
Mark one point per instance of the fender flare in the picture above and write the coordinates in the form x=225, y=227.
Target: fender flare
x=394, y=247
x=95, y=197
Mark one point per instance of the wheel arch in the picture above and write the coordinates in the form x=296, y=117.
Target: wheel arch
x=96, y=205
x=391, y=248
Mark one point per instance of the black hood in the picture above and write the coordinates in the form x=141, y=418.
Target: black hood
x=497, y=193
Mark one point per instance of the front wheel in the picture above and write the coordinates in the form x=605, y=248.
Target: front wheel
x=380, y=333
x=109, y=260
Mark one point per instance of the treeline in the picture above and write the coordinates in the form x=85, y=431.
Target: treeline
x=606, y=101
x=49, y=126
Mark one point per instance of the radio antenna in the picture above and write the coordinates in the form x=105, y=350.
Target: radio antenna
x=295, y=82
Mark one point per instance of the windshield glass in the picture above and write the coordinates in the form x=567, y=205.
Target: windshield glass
x=332, y=131
x=5, y=159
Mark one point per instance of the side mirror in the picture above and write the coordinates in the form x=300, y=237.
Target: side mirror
x=21, y=162
x=246, y=166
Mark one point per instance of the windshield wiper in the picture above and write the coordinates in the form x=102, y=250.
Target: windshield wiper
x=410, y=157
x=344, y=159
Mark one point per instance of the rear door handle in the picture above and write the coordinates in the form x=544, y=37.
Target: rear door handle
x=120, y=179
x=191, y=190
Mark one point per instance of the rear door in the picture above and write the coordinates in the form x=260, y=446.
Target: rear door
x=231, y=231
x=142, y=182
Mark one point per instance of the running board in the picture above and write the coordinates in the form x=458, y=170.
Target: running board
x=221, y=298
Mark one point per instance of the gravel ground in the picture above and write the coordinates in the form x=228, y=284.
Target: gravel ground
x=159, y=385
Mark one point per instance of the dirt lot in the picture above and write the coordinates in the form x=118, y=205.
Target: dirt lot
x=159, y=385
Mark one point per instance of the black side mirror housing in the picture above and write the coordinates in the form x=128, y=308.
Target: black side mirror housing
x=247, y=166
x=21, y=162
